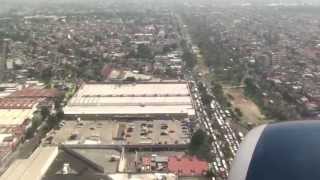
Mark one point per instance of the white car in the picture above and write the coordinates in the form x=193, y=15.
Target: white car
x=219, y=163
x=206, y=126
x=215, y=165
x=224, y=163
x=221, y=154
x=212, y=106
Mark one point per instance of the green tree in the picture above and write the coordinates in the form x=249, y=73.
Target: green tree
x=189, y=59
x=197, y=139
x=200, y=145
x=46, y=75
x=36, y=121
x=238, y=112
x=44, y=111
x=144, y=52
x=250, y=87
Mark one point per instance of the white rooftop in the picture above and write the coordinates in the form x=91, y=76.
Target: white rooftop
x=144, y=98
x=128, y=110
x=32, y=168
x=134, y=89
x=10, y=117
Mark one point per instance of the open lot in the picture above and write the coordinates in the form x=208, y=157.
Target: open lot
x=109, y=132
x=201, y=67
x=251, y=112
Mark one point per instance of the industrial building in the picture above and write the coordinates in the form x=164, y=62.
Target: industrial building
x=17, y=109
x=65, y=162
x=53, y=163
x=32, y=168
x=187, y=166
x=13, y=125
x=148, y=99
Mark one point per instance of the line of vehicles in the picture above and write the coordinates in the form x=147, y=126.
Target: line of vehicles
x=229, y=134
x=214, y=121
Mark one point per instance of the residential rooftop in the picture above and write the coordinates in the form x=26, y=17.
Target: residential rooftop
x=12, y=117
x=187, y=166
x=35, y=92
x=19, y=103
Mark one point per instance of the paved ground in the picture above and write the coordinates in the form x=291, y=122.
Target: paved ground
x=88, y=130
x=118, y=132
x=102, y=157
x=158, y=135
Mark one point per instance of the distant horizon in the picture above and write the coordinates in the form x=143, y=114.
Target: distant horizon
x=217, y=1
x=7, y=5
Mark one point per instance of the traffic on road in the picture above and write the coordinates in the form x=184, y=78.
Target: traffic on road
x=215, y=121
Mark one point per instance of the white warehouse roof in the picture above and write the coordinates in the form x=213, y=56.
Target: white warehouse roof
x=141, y=98
x=179, y=88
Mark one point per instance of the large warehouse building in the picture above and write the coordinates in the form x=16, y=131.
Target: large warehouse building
x=131, y=100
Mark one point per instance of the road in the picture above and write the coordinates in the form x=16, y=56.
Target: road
x=213, y=119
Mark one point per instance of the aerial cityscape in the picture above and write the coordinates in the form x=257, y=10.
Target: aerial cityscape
x=152, y=90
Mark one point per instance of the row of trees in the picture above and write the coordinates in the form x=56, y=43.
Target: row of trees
x=189, y=58
x=219, y=94
x=44, y=120
x=218, y=54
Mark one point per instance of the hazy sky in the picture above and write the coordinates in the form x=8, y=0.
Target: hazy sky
x=266, y=1
x=217, y=1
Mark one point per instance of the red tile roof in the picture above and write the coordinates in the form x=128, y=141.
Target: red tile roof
x=32, y=92
x=19, y=103
x=187, y=166
x=312, y=53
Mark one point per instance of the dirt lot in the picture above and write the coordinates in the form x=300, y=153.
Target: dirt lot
x=251, y=112
x=201, y=66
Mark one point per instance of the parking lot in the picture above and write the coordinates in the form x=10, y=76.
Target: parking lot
x=157, y=132
x=117, y=132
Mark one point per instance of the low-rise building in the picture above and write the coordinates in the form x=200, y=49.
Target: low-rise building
x=32, y=168
x=187, y=166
